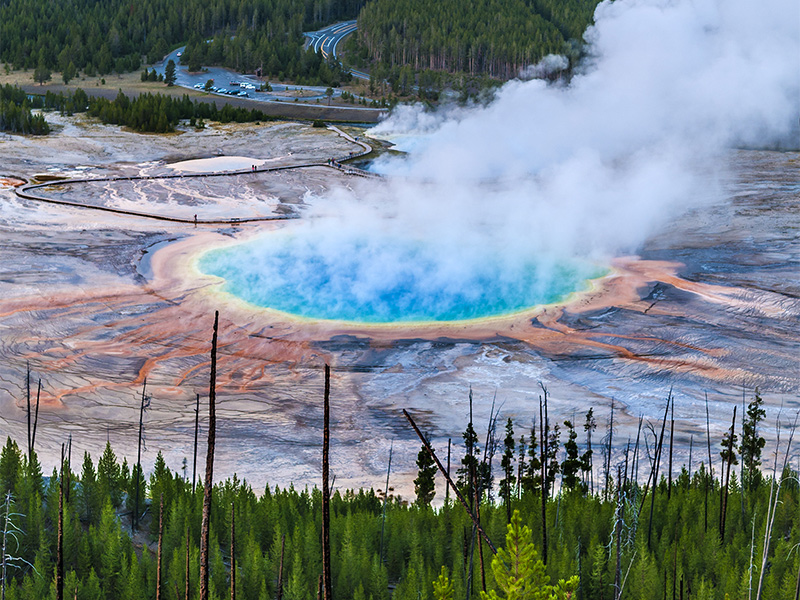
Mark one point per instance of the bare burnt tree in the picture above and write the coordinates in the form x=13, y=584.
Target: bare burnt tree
x=671, y=444
x=35, y=422
x=710, y=475
x=196, y=430
x=654, y=471
x=186, y=578
x=385, y=500
x=233, y=552
x=724, y=492
x=280, y=568
x=446, y=475
x=447, y=487
x=60, y=534
x=28, y=396
x=160, y=545
x=543, y=435
x=209, y=479
x=138, y=469
x=326, y=540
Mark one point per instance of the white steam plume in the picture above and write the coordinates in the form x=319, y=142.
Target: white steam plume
x=549, y=65
x=591, y=168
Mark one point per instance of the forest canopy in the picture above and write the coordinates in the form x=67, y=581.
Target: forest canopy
x=492, y=37
x=101, y=37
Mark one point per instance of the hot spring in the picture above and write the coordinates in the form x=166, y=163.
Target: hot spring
x=380, y=279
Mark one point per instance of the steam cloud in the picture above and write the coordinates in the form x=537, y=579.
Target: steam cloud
x=588, y=169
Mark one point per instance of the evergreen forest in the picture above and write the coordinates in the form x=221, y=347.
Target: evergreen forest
x=489, y=37
x=568, y=519
x=15, y=113
x=103, y=37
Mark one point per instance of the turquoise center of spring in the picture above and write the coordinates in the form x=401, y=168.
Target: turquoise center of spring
x=389, y=280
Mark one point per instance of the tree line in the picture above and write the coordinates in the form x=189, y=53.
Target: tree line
x=102, y=37
x=563, y=523
x=486, y=37
x=16, y=115
x=151, y=113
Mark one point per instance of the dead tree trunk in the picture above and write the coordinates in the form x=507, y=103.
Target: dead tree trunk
x=68, y=474
x=28, y=387
x=385, y=500
x=326, y=539
x=187, y=578
x=724, y=500
x=710, y=477
x=618, y=538
x=35, y=421
x=196, y=430
x=480, y=541
x=209, y=479
x=5, y=545
x=608, y=450
x=60, y=534
x=543, y=487
x=797, y=586
x=671, y=443
x=772, y=507
x=635, y=462
x=442, y=470
x=447, y=487
x=138, y=468
x=233, y=553
x=280, y=568
x=657, y=462
x=160, y=545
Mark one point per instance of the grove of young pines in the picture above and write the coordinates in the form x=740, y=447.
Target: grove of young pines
x=609, y=534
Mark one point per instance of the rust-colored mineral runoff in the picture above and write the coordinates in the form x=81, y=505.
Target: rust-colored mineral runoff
x=96, y=302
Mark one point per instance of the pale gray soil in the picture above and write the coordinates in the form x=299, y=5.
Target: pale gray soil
x=96, y=302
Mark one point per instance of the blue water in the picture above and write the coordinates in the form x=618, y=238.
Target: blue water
x=388, y=281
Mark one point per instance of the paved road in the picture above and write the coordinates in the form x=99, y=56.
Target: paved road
x=223, y=79
x=327, y=39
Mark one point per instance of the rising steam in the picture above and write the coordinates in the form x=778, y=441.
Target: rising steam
x=589, y=168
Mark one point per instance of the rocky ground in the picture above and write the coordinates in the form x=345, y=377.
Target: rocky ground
x=97, y=302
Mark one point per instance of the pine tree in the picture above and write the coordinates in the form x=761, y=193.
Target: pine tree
x=469, y=464
x=572, y=464
x=89, y=493
x=109, y=477
x=520, y=573
x=443, y=587
x=161, y=482
x=752, y=443
x=424, y=484
x=170, y=75
x=532, y=479
x=10, y=467
x=507, y=465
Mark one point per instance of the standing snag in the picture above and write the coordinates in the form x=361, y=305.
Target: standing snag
x=326, y=581
x=209, y=479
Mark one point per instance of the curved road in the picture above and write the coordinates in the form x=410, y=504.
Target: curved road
x=325, y=41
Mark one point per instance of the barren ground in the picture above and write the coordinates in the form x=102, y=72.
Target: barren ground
x=96, y=303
